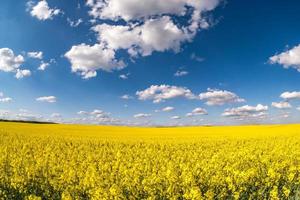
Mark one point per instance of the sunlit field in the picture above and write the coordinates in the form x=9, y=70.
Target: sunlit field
x=97, y=162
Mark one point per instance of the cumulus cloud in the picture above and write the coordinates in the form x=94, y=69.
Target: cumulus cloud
x=219, y=97
x=289, y=59
x=197, y=111
x=35, y=54
x=176, y=117
x=43, y=66
x=150, y=26
x=290, y=95
x=281, y=105
x=126, y=97
x=124, y=76
x=8, y=61
x=21, y=73
x=181, y=73
x=82, y=112
x=48, y=99
x=168, y=109
x=56, y=115
x=4, y=99
x=246, y=111
x=95, y=117
x=144, y=9
x=154, y=35
x=74, y=23
x=142, y=115
x=86, y=59
x=42, y=11
x=160, y=93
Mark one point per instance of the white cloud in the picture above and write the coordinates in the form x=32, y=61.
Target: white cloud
x=42, y=11
x=55, y=115
x=97, y=112
x=87, y=59
x=154, y=35
x=43, y=66
x=143, y=9
x=8, y=61
x=219, y=97
x=124, y=76
x=142, y=115
x=289, y=59
x=74, y=23
x=150, y=26
x=48, y=99
x=281, y=105
x=21, y=73
x=298, y=108
x=197, y=111
x=82, y=112
x=196, y=58
x=35, y=54
x=126, y=97
x=246, y=111
x=290, y=95
x=181, y=73
x=4, y=99
x=175, y=117
x=168, y=109
x=160, y=93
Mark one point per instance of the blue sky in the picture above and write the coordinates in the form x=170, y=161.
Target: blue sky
x=205, y=62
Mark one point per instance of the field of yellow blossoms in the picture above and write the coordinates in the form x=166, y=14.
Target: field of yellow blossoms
x=98, y=162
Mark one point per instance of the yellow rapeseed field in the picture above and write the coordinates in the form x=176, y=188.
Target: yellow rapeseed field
x=99, y=162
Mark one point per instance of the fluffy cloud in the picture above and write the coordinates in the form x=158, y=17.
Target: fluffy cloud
x=175, y=117
x=35, y=54
x=42, y=11
x=82, y=112
x=290, y=95
x=298, y=108
x=142, y=115
x=181, y=73
x=168, y=109
x=43, y=66
x=246, y=111
x=149, y=26
x=55, y=115
x=126, y=97
x=281, y=105
x=4, y=99
x=197, y=111
x=8, y=61
x=154, y=35
x=144, y=9
x=87, y=59
x=124, y=76
x=21, y=73
x=74, y=23
x=160, y=93
x=219, y=97
x=48, y=99
x=289, y=59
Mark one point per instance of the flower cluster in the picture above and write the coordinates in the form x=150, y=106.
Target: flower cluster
x=78, y=162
